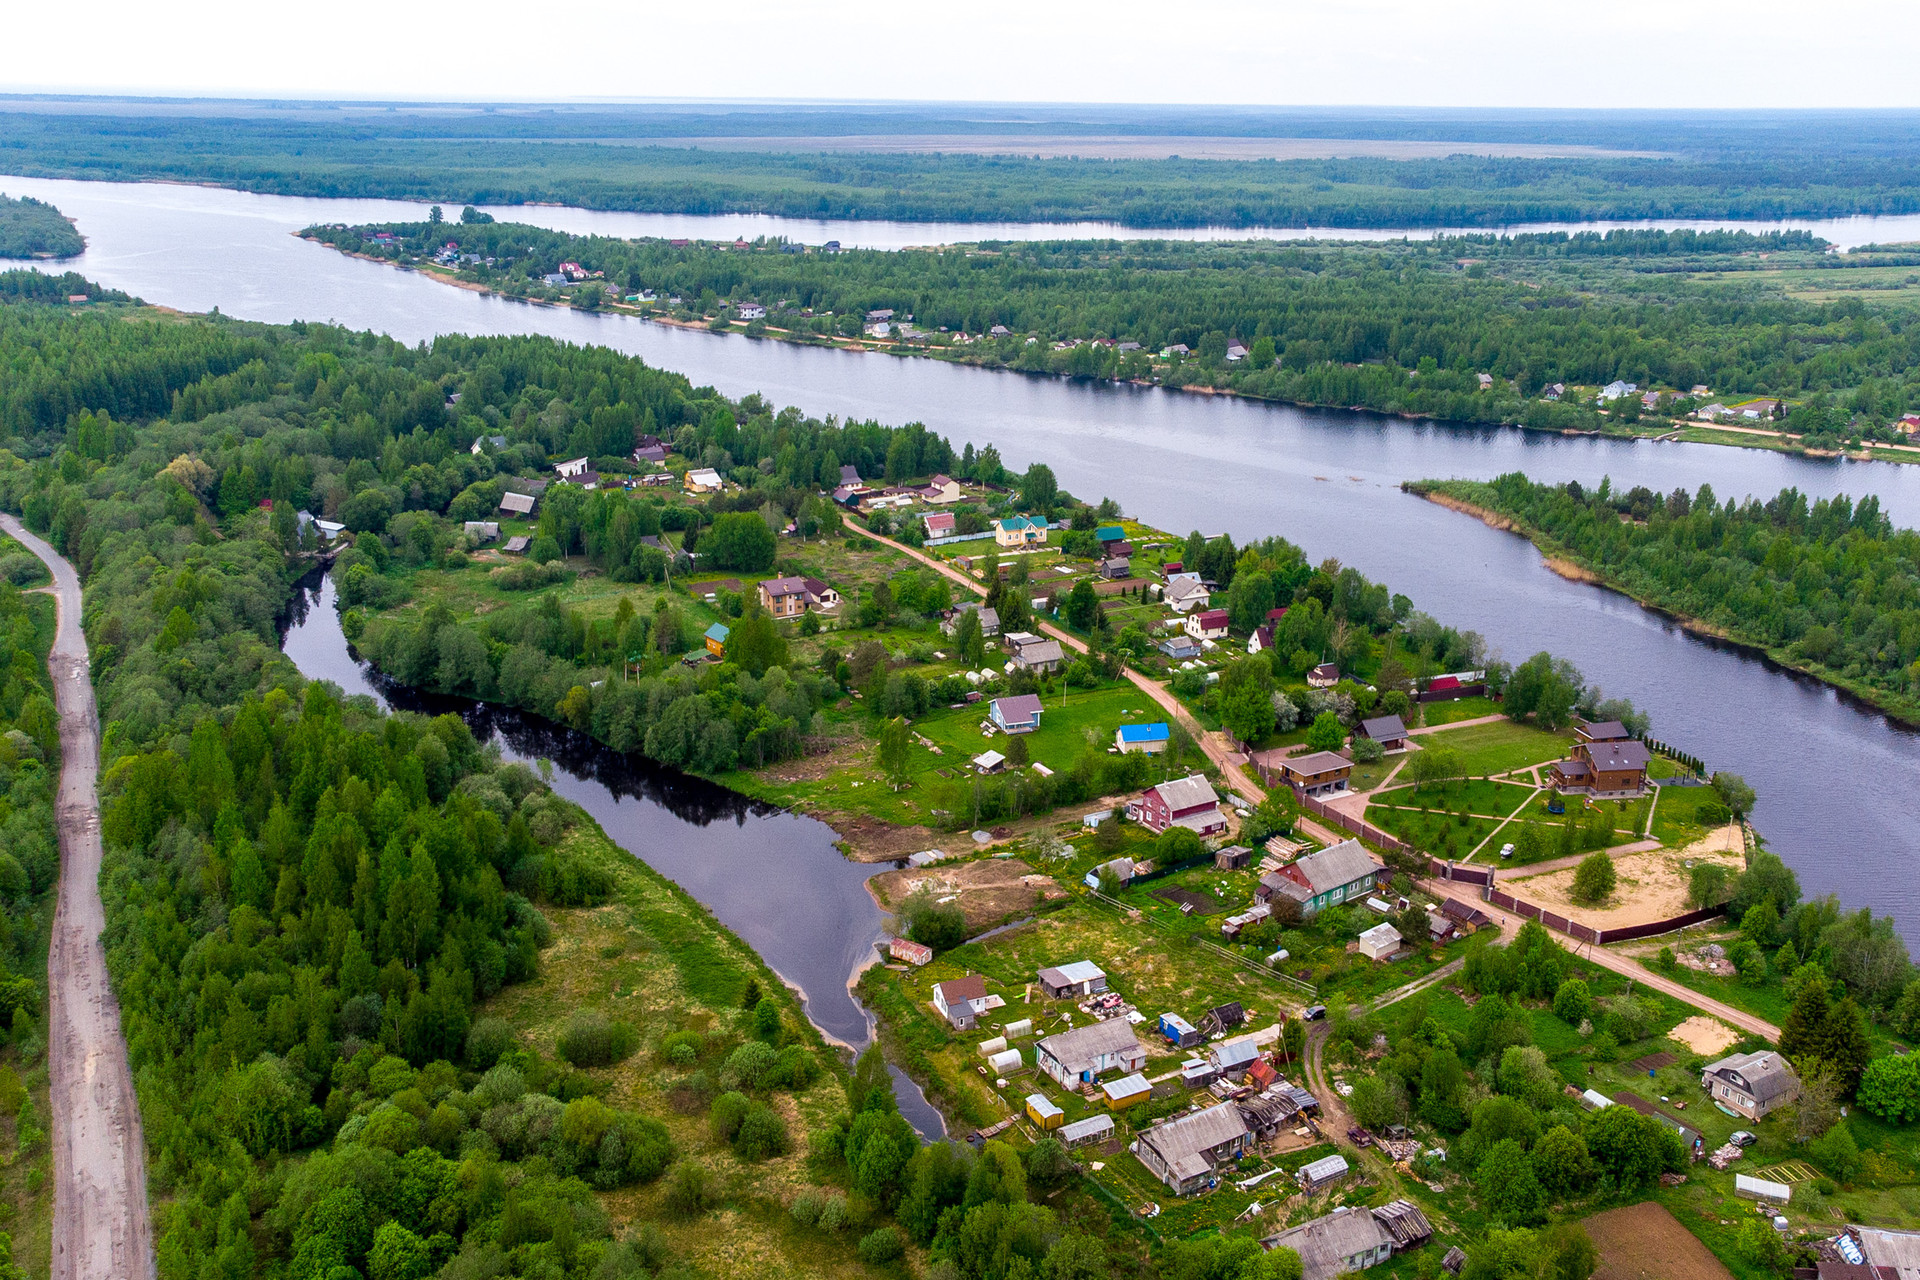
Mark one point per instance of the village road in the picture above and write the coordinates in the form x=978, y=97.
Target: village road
x=101, y=1229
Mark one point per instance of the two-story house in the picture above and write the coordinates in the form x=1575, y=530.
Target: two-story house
x=1182, y=802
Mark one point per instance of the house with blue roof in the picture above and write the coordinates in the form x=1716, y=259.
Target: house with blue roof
x=1150, y=738
x=717, y=639
x=1110, y=533
x=1019, y=531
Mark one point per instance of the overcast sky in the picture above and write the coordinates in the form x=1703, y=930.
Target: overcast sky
x=1620, y=53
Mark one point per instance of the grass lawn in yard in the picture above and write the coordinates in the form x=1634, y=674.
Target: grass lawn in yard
x=1440, y=834
x=1498, y=748
x=1677, y=820
x=1474, y=795
x=1368, y=776
x=1435, y=713
x=1070, y=725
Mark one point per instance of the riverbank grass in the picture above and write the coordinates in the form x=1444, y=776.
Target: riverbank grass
x=653, y=958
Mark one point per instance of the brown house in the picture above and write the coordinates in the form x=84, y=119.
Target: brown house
x=784, y=597
x=1314, y=774
x=1615, y=768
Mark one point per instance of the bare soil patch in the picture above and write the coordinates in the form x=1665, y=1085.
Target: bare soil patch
x=988, y=892
x=870, y=840
x=1653, y=886
x=1202, y=903
x=1645, y=1242
x=814, y=768
x=1703, y=1034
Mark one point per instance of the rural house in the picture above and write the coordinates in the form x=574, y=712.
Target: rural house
x=703, y=480
x=570, y=468
x=519, y=504
x=989, y=618
x=939, y=524
x=1600, y=731
x=1185, y=591
x=1324, y=676
x=1076, y=1057
x=483, y=443
x=941, y=490
x=716, y=639
x=1150, y=738
x=1346, y=1240
x=1207, y=624
x=820, y=595
x=961, y=1000
x=1080, y=978
x=1344, y=872
x=1604, y=769
x=1019, y=714
x=1018, y=531
x=1750, y=1084
x=1185, y=1153
x=784, y=597
x=1312, y=775
x=1184, y=802
x=1389, y=731
x=1033, y=653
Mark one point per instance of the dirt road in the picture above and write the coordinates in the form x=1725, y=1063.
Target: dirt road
x=101, y=1230
x=1219, y=752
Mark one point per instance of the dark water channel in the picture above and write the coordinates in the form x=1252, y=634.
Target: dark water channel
x=774, y=878
x=1836, y=782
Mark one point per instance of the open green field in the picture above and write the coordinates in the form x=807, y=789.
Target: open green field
x=1439, y=834
x=1437, y=713
x=1487, y=749
x=1480, y=796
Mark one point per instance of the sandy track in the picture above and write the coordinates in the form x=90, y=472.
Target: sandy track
x=101, y=1229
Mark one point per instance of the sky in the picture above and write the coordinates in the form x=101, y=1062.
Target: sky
x=1484, y=53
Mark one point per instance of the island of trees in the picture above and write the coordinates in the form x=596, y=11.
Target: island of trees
x=31, y=228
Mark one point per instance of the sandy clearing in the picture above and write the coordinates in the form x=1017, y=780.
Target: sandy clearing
x=1703, y=1035
x=989, y=891
x=1653, y=886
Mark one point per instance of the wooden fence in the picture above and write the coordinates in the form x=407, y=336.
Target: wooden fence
x=1484, y=878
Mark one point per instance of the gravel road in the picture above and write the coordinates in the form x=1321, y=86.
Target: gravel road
x=101, y=1229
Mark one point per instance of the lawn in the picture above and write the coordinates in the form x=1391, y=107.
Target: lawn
x=1487, y=749
x=1440, y=834
x=1469, y=795
x=1437, y=713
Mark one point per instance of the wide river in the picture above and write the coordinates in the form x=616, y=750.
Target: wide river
x=1833, y=779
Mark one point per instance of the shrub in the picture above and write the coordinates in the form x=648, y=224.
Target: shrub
x=1595, y=880
x=728, y=1114
x=807, y=1205
x=526, y=577
x=833, y=1214
x=880, y=1247
x=1573, y=1002
x=1367, y=751
x=690, y=1191
x=751, y=1066
x=762, y=1134
x=591, y=1040
x=487, y=1041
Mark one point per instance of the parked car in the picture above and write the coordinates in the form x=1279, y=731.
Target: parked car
x=1314, y=1012
x=1506, y=851
x=1743, y=1139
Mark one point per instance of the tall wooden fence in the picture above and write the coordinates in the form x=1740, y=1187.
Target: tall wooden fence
x=1483, y=877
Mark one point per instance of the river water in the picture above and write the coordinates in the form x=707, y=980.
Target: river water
x=1835, y=781
x=774, y=878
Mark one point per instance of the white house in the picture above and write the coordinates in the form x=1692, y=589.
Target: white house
x=703, y=480
x=961, y=1000
x=1185, y=591
x=570, y=468
x=1207, y=624
x=1380, y=942
x=1615, y=389
x=1077, y=1057
x=751, y=311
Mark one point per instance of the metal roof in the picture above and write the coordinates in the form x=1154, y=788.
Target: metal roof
x=1090, y=1127
x=1195, y=1132
x=1187, y=793
x=1127, y=1086
x=1143, y=732
x=1073, y=973
x=1076, y=1050
x=1324, y=1168
x=1337, y=865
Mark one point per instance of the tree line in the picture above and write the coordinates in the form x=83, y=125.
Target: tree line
x=1828, y=585
x=1401, y=327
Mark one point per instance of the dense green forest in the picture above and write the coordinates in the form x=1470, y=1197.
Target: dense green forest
x=30, y=228
x=502, y=159
x=1400, y=327
x=1829, y=586
x=312, y=906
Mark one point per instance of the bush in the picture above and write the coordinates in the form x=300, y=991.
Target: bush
x=690, y=1191
x=487, y=1041
x=762, y=1134
x=1573, y=1002
x=530, y=576
x=1367, y=751
x=833, y=1214
x=591, y=1040
x=807, y=1205
x=682, y=1048
x=1595, y=880
x=728, y=1114
x=880, y=1247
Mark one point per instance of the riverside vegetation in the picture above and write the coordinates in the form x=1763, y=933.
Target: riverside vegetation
x=364, y=965
x=625, y=159
x=1400, y=327
x=1830, y=586
x=32, y=228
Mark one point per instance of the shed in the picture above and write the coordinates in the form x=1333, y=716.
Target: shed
x=1750, y=1188
x=1092, y=1129
x=1197, y=1073
x=716, y=639
x=1128, y=1091
x=1232, y=1057
x=1179, y=1030
x=1380, y=942
x=914, y=953
x=1150, y=738
x=1078, y=978
x=1235, y=857
x=1224, y=1017
x=989, y=762
x=1044, y=1114
x=1321, y=1173
x=1005, y=1062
